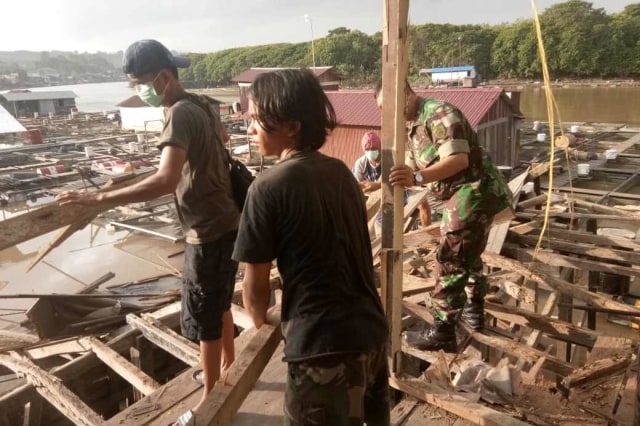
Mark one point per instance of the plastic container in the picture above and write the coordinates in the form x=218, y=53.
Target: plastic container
x=584, y=169
x=133, y=147
x=541, y=137
x=611, y=154
x=88, y=151
x=575, y=129
x=536, y=125
x=140, y=137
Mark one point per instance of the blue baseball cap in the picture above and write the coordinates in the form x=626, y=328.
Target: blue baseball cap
x=145, y=56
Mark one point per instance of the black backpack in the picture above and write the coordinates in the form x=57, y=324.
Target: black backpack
x=241, y=177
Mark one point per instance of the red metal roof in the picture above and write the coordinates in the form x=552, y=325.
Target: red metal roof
x=344, y=143
x=249, y=76
x=358, y=107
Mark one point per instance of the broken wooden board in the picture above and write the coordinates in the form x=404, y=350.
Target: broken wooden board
x=37, y=222
x=52, y=389
x=462, y=407
x=498, y=232
x=536, y=273
x=554, y=328
x=610, y=355
x=138, y=379
x=167, y=339
x=169, y=402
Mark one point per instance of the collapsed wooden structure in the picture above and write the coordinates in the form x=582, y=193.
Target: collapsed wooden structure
x=560, y=369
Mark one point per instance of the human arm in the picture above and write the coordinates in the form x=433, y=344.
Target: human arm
x=403, y=175
x=256, y=291
x=164, y=181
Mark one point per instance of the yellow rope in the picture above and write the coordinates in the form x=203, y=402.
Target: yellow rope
x=552, y=107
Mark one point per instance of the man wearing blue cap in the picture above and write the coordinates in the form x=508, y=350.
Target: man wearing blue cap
x=194, y=166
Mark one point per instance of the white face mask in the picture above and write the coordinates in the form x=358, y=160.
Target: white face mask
x=372, y=155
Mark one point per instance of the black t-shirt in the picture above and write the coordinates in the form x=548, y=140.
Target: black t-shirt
x=309, y=213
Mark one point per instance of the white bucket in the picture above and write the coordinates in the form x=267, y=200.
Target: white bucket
x=575, y=129
x=541, y=137
x=611, y=154
x=527, y=188
x=140, y=137
x=584, y=169
x=133, y=147
x=88, y=151
x=50, y=115
x=536, y=125
x=35, y=115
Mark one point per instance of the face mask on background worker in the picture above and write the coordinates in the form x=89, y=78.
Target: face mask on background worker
x=372, y=155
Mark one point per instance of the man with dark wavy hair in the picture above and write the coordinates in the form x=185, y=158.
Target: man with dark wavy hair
x=308, y=213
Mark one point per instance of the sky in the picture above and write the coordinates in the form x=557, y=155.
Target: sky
x=211, y=25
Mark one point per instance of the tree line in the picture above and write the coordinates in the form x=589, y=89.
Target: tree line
x=581, y=42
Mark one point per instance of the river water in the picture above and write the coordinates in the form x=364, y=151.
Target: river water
x=585, y=104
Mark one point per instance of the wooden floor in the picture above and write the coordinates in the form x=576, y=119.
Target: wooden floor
x=263, y=406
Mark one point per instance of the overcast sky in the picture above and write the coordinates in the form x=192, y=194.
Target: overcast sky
x=211, y=25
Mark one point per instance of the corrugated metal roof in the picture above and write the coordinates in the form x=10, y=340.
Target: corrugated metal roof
x=251, y=74
x=450, y=69
x=344, y=143
x=358, y=107
x=8, y=124
x=26, y=95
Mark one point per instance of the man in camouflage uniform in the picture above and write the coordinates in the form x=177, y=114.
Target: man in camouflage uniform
x=451, y=162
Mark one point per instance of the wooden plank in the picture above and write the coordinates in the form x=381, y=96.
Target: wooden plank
x=474, y=412
x=169, y=402
x=555, y=259
x=534, y=214
x=620, y=195
x=53, y=391
x=264, y=405
x=610, y=355
x=589, y=238
x=226, y=397
x=599, y=208
x=535, y=273
x=554, y=328
x=498, y=232
x=402, y=410
x=26, y=226
x=138, y=379
x=582, y=249
x=394, y=74
x=167, y=339
x=529, y=355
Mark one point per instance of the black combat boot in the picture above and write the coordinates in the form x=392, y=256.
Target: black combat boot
x=473, y=313
x=442, y=336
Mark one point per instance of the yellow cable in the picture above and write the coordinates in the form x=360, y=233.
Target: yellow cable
x=552, y=107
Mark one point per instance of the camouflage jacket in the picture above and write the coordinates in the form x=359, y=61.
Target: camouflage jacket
x=442, y=130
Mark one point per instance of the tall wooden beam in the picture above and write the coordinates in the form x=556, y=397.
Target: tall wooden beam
x=394, y=72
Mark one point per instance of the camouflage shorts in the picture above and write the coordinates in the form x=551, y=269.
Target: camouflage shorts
x=339, y=390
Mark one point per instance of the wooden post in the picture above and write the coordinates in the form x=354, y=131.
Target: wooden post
x=394, y=71
x=594, y=277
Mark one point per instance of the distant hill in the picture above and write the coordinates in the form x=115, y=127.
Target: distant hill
x=31, y=61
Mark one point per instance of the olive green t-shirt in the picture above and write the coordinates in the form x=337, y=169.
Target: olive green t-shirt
x=203, y=196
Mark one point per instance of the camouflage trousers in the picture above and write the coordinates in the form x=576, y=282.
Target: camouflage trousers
x=339, y=390
x=458, y=269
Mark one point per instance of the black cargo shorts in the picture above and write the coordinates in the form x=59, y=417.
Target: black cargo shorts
x=208, y=280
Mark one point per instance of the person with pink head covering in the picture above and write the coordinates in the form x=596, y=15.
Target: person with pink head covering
x=367, y=168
